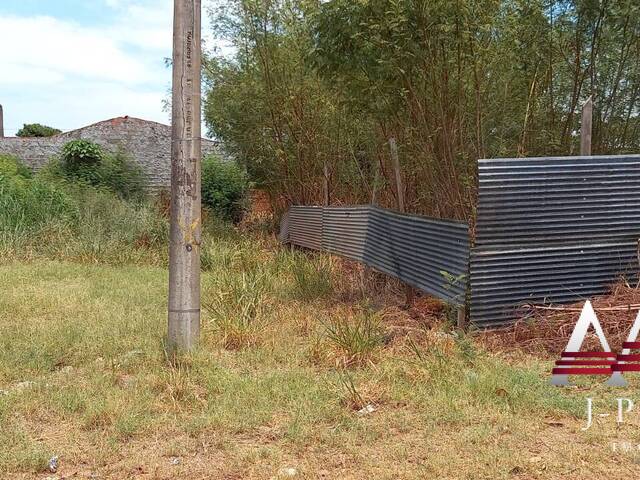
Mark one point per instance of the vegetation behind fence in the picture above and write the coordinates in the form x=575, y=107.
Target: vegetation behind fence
x=548, y=230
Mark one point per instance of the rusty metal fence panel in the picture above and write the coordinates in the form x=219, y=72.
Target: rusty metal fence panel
x=552, y=230
x=432, y=255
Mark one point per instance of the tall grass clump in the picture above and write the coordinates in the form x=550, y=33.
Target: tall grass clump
x=312, y=276
x=356, y=339
x=122, y=176
x=111, y=229
x=11, y=167
x=239, y=306
x=28, y=205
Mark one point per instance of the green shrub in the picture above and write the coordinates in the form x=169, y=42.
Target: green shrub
x=85, y=162
x=81, y=160
x=11, y=167
x=225, y=188
x=37, y=130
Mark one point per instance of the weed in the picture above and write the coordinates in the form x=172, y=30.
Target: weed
x=317, y=350
x=98, y=415
x=352, y=399
x=127, y=425
x=238, y=307
x=357, y=338
x=466, y=348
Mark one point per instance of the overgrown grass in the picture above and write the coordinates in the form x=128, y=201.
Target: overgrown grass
x=239, y=306
x=49, y=217
x=284, y=369
x=28, y=207
x=311, y=274
x=89, y=337
x=92, y=226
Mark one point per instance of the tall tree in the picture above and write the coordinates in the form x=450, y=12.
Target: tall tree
x=37, y=130
x=328, y=83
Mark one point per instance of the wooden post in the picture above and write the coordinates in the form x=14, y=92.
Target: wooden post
x=368, y=271
x=408, y=289
x=185, y=230
x=586, y=127
x=376, y=180
x=1, y=123
x=396, y=168
x=462, y=318
x=325, y=185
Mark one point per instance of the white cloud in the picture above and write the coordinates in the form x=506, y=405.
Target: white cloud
x=64, y=48
x=68, y=74
x=77, y=104
x=144, y=24
x=28, y=75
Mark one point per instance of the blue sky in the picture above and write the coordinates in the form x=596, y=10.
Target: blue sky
x=87, y=12
x=69, y=63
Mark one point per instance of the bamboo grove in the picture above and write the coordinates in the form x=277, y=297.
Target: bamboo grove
x=305, y=84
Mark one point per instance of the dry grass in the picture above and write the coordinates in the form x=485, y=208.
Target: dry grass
x=87, y=340
x=545, y=330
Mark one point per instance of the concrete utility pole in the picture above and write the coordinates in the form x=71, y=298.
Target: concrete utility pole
x=184, y=243
x=1, y=122
x=585, y=127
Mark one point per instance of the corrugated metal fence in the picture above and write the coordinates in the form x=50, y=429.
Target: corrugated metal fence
x=429, y=254
x=552, y=230
x=548, y=230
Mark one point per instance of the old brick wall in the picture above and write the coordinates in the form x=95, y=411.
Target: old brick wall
x=148, y=143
